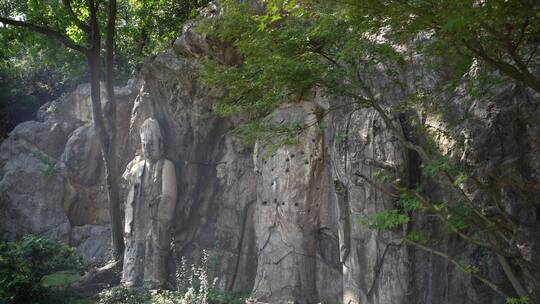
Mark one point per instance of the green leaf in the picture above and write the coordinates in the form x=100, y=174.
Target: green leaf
x=385, y=220
x=519, y=300
x=409, y=202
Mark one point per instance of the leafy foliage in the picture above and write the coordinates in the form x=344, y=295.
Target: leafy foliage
x=458, y=216
x=385, y=220
x=409, y=202
x=31, y=74
x=121, y=294
x=286, y=51
x=23, y=264
x=520, y=300
x=35, y=69
x=417, y=237
x=146, y=27
x=438, y=166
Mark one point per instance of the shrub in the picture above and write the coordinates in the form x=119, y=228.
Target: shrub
x=23, y=265
x=121, y=294
x=193, y=286
x=124, y=295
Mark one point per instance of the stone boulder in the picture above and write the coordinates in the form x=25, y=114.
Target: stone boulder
x=82, y=156
x=93, y=242
x=192, y=43
x=34, y=192
x=49, y=137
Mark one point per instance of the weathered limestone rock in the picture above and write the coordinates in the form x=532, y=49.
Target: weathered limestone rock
x=289, y=199
x=96, y=280
x=375, y=267
x=50, y=175
x=82, y=155
x=89, y=206
x=76, y=106
x=49, y=137
x=33, y=192
x=149, y=209
x=214, y=171
x=192, y=43
x=93, y=242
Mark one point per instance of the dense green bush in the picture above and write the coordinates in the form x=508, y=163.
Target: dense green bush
x=23, y=265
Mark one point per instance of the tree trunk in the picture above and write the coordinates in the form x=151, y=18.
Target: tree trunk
x=113, y=179
x=109, y=158
x=107, y=142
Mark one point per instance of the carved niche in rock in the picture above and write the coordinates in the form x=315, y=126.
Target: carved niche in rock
x=149, y=211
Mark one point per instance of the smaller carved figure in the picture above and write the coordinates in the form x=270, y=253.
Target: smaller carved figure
x=149, y=211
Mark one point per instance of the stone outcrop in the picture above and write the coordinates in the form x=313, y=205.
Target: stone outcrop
x=82, y=155
x=375, y=266
x=33, y=191
x=51, y=180
x=93, y=241
x=289, y=199
x=281, y=223
x=215, y=179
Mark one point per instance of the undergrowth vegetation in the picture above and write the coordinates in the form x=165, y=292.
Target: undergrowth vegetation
x=32, y=267
x=193, y=285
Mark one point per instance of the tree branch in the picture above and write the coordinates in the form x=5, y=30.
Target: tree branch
x=504, y=67
x=47, y=32
x=83, y=26
x=507, y=268
x=481, y=278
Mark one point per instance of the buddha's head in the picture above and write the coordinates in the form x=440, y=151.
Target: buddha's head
x=151, y=139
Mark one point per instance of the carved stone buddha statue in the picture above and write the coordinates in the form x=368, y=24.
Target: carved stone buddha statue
x=149, y=211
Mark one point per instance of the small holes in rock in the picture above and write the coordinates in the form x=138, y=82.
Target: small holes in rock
x=292, y=155
x=287, y=160
x=296, y=204
x=283, y=203
x=265, y=202
x=306, y=162
x=275, y=200
x=287, y=170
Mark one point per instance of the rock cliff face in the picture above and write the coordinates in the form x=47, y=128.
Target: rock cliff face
x=280, y=223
